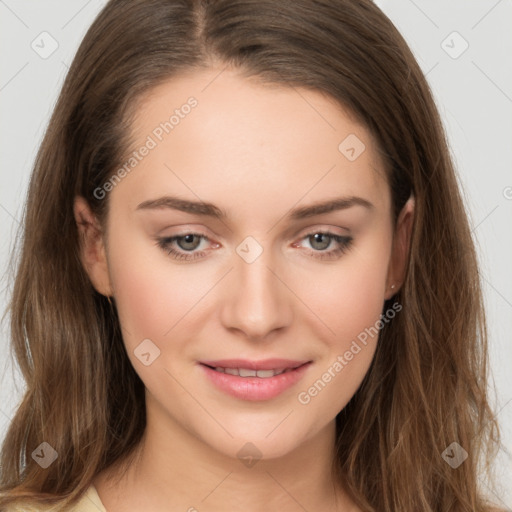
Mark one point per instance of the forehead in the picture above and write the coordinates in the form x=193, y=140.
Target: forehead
x=222, y=136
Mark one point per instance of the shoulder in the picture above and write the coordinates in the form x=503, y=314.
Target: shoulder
x=89, y=502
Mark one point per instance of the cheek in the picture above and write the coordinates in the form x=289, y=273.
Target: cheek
x=347, y=297
x=349, y=302
x=152, y=294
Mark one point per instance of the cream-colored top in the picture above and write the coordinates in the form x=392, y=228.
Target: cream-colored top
x=90, y=502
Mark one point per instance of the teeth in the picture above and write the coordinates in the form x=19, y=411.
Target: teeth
x=264, y=373
x=245, y=372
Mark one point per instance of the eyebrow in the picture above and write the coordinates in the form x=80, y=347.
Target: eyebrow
x=210, y=210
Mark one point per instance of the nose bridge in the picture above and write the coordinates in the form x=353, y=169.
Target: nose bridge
x=257, y=301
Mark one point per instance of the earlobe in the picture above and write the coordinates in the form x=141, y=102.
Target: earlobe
x=400, y=250
x=92, y=247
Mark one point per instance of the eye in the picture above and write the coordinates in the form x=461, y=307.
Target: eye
x=322, y=240
x=186, y=245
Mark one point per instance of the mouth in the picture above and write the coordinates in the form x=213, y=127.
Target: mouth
x=246, y=372
x=254, y=380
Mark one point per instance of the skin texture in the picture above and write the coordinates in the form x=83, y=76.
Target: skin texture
x=256, y=152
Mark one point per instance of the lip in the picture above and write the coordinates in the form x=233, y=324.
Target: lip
x=264, y=364
x=255, y=388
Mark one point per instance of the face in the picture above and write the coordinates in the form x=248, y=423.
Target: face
x=253, y=235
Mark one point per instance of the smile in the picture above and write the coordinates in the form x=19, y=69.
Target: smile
x=246, y=372
x=254, y=381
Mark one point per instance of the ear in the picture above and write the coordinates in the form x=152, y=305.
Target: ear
x=92, y=247
x=400, y=249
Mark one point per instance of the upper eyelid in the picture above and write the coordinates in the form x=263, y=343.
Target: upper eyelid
x=322, y=228
x=172, y=238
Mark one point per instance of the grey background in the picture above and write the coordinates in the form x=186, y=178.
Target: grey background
x=473, y=91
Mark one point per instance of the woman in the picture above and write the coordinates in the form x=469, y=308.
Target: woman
x=238, y=288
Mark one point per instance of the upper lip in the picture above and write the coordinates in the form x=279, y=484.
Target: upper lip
x=264, y=364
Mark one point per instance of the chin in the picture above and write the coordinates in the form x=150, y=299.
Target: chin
x=259, y=442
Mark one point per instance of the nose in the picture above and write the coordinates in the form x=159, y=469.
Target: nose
x=257, y=300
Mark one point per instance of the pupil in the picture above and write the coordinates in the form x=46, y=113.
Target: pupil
x=319, y=238
x=187, y=240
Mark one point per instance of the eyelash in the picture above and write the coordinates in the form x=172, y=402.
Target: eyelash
x=344, y=244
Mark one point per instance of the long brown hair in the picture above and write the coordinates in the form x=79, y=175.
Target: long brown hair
x=427, y=384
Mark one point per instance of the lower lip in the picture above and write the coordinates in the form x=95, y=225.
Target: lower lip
x=255, y=388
